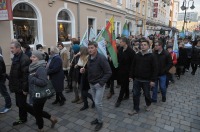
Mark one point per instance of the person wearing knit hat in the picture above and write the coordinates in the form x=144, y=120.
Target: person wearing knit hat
x=38, y=54
x=38, y=76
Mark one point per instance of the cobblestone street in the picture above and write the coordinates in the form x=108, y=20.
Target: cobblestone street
x=181, y=112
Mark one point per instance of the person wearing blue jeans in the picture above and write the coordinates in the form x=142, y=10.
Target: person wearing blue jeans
x=164, y=62
x=3, y=89
x=161, y=81
x=99, y=72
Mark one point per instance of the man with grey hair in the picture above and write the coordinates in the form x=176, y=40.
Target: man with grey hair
x=3, y=89
x=18, y=81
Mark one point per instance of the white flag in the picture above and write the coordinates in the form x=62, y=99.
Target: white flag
x=84, y=41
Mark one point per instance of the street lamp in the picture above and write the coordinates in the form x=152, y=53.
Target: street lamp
x=185, y=7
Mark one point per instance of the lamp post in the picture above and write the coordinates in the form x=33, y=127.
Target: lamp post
x=185, y=6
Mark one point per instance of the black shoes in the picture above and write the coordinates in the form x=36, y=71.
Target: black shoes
x=55, y=102
x=84, y=108
x=117, y=104
x=19, y=122
x=125, y=98
x=163, y=99
x=98, y=125
x=94, y=122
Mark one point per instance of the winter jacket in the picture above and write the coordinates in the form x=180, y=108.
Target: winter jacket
x=164, y=61
x=18, y=80
x=195, y=59
x=2, y=69
x=125, y=59
x=144, y=67
x=98, y=70
x=64, y=57
x=182, y=58
x=56, y=73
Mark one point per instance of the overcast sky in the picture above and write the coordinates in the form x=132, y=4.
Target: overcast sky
x=196, y=4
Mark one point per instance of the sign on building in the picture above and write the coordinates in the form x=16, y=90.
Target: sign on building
x=5, y=10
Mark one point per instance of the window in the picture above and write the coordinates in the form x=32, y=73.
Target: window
x=119, y=2
x=64, y=25
x=91, y=28
x=25, y=23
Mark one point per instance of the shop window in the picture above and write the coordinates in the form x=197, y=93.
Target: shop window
x=25, y=23
x=64, y=26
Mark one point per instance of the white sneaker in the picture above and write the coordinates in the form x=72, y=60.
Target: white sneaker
x=4, y=110
x=148, y=108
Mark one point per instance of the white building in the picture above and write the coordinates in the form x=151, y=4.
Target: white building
x=175, y=13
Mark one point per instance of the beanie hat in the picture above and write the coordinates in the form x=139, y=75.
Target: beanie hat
x=76, y=48
x=38, y=46
x=38, y=54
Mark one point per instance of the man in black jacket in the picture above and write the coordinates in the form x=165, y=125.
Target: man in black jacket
x=125, y=58
x=164, y=61
x=3, y=89
x=18, y=80
x=144, y=73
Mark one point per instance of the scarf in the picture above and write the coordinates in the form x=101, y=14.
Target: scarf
x=35, y=65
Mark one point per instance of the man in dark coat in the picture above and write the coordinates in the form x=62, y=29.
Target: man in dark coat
x=164, y=61
x=18, y=80
x=195, y=59
x=56, y=74
x=125, y=57
x=144, y=73
x=3, y=89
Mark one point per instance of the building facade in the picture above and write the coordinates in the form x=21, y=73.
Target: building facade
x=190, y=16
x=175, y=13
x=48, y=21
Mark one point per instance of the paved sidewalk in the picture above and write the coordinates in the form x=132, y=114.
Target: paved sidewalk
x=180, y=113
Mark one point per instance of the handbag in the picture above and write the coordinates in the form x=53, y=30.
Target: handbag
x=39, y=92
x=172, y=70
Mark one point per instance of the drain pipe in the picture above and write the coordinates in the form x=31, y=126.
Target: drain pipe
x=78, y=17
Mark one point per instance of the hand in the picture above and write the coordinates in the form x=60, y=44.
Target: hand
x=152, y=84
x=82, y=70
x=75, y=66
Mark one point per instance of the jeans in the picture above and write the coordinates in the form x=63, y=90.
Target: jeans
x=137, y=85
x=161, y=80
x=97, y=93
x=5, y=94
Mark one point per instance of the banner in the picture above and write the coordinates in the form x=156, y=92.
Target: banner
x=5, y=10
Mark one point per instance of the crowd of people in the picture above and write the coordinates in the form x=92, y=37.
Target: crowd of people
x=147, y=62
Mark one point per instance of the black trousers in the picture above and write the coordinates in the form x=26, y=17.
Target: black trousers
x=194, y=67
x=60, y=97
x=124, y=91
x=188, y=61
x=110, y=83
x=24, y=107
x=86, y=95
x=137, y=86
x=179, y=70
x=38, y=105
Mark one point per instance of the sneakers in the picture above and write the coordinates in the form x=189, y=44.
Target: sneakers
x=4, y=110
x=148, y=108
x=133, y=112
x=19, y=122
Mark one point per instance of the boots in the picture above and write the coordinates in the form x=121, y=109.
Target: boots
x=53, y=121
x=80, y=101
